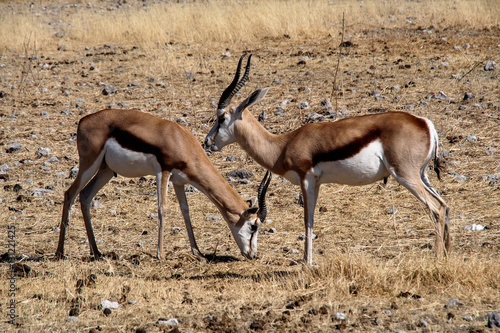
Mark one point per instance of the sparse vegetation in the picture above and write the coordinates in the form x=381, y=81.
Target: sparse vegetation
x=373, y=258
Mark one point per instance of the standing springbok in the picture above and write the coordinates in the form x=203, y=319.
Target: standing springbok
x=352, y=151
x=133, y=144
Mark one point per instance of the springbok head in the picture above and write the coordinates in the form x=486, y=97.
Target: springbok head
x=222, y=133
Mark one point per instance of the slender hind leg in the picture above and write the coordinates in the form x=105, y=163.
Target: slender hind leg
x=85, y=174
x=86, y=195
x=419, y=186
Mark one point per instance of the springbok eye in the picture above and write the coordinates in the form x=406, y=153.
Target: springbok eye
x=222, y=119
x=253, y=227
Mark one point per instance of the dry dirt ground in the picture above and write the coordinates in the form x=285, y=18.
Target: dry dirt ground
x=376, y=268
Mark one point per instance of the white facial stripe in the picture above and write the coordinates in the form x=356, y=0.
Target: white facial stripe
x=129, y=163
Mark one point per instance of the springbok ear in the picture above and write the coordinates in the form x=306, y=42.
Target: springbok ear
x=250, y=211
x=252, y=202
x=254, y=98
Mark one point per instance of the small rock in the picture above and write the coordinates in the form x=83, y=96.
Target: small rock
x=171, y=321
x=304, y=105
x=453, y=302
x=191, y=189
x=303, y=236
x=13, y=146
x=468, y=318
x=493, y=319
x=4, y=168
x=43, y=151
x=176, y=230
x=240, y=173
x=73, y=172
x=97, y=204
x=326, y=104
x=392, y=211
x=72, y=318
x=469, y=96
x=231, y=158
x=340, y=316
x=213, y=218
x=458, y=177
x=106, y=311
x=471, y=138
x=108, y=90
x=110, y=305
x=153, y=215
x=490, y=66
x=474, y=227
x=314, y=117
x=262, y=116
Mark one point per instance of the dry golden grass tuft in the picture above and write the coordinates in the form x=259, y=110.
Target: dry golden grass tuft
x=377, y=268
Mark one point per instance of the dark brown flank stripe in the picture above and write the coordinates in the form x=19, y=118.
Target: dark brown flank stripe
x=129, y=141
x=349, y=150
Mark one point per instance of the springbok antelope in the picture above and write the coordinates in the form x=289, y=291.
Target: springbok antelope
x=133, y=144
x=352, y=151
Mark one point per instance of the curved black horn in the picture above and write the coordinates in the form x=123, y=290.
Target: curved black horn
x=235, y=86
x=261, y=195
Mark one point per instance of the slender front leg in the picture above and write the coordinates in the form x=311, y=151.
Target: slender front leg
x=310, y=191
x=181, y=196
x=162, y=179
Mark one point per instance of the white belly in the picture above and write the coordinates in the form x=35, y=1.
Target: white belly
x=129, y=163
x=364, y=168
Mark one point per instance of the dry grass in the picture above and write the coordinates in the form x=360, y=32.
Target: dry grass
x=226, y=23
x=367, y=261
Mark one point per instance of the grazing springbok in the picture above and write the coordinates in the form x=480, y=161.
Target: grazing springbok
x=352, y=151
x=133, y=144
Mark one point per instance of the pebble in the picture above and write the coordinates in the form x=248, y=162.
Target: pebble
x=474, y=227
x=108, y=90
x=314, y=117
x=13, y=146
x=340, y=316
x=110, y=305
x=43, y=151
x=213, y=218
x=493, y=319
x=490, y=66
x=458, y=177
x=176, y=230
x=469, y=96
x=171, y=321
x=72, y=318
x=453, y=302
x=304, y=105
x=97, y=204
x=392, y=211
x=4, y=168
x=240, y=173
x=303, y=236
x=471, y=138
